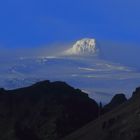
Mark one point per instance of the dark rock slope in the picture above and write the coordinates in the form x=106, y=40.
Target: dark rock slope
x=116, y=101
x=122, y=123
x=44, y=111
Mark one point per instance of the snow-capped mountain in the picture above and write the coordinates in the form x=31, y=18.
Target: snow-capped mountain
x=99, y=77
x=86, y=46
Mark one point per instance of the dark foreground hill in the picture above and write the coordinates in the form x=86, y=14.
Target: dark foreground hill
x=44, y=111
x=121, y=123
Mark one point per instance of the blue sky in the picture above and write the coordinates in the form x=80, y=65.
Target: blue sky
x=25, y=23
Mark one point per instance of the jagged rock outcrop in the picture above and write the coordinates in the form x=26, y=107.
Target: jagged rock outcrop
x=117, y=100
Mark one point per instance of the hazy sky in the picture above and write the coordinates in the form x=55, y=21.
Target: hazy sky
x=25, y=23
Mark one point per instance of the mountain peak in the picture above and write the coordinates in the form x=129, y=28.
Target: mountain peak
x=84, y=46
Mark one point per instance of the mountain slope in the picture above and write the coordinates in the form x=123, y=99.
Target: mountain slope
x=122, y=123
x=44, y=111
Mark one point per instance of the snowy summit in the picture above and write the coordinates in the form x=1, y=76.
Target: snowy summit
x=83, y=47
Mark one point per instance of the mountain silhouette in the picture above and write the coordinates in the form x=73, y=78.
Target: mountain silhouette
x=121, y=123
x=44, y=111
x=116, y=101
